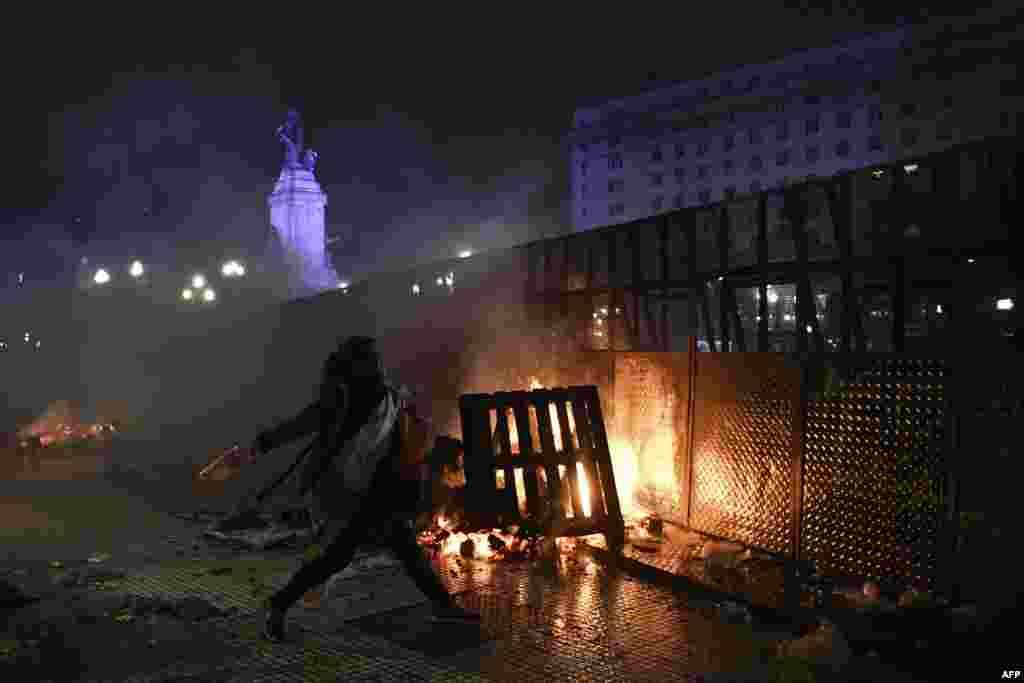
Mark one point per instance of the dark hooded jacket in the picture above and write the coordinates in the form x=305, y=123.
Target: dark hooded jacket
x=352, y=387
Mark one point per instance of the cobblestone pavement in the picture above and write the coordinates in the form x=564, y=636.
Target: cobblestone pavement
x=177, y=607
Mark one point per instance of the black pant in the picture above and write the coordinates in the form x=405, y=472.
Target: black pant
x=337, y=555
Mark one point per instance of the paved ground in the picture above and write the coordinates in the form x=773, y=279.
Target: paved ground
x=166, y=605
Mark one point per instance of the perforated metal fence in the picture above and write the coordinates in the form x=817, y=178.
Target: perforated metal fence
x=843, y=460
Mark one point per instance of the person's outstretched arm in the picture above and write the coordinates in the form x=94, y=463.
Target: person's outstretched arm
x=305, y=423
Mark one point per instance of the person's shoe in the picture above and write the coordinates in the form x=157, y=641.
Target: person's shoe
x=454, y=614
x=273, y=625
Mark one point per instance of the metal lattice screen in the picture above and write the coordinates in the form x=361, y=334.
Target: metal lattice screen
x=742, y=449
x=874, y=469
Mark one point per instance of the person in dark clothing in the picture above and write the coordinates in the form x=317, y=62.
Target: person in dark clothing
x=355, y=403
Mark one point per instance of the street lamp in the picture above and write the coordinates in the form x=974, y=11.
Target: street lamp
x=1004, y=304
x=136, y=269
x=101, y=277
x=186, y=294
x=209, y=295
x=232, y=269
x=198, y=281
x=465, y=253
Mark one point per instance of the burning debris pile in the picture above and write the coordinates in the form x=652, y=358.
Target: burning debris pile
x=61, y=425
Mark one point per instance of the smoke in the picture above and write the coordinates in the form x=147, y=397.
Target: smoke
x=415, y=196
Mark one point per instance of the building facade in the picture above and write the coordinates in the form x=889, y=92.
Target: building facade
x=906, y=92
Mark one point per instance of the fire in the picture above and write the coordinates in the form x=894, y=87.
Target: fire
x=625, y=469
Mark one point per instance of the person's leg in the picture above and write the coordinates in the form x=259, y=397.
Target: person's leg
x=407, y=550
x=334, y=558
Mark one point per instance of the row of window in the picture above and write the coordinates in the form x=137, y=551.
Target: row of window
x=729, y=142
x=783, y=129
x=729, y=86
x=812, y=154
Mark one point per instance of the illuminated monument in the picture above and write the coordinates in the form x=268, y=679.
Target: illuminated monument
x=297, y=207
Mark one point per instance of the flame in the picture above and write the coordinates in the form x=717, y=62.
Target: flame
x=625, y=470
x=584, y=483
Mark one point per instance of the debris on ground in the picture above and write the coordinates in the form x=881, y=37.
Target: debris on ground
x=825, y=647
x=96, y=558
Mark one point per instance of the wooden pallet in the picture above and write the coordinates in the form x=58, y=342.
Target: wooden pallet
x=519, y=467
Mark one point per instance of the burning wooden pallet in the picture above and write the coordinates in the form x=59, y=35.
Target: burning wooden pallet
x=540, y=455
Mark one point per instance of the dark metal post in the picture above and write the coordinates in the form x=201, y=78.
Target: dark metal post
x=762, y=259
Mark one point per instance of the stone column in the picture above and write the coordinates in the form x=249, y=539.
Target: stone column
x=297, y=212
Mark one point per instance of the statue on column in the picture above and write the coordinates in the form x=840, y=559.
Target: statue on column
x=290, y=134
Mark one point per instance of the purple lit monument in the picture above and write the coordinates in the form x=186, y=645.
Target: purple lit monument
x=297, y=207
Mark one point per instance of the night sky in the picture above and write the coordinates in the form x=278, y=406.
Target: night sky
x=430, y=141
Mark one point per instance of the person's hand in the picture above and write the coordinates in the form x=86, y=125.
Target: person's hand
x=238, y=456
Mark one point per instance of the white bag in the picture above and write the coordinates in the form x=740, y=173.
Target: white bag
x=360, y=456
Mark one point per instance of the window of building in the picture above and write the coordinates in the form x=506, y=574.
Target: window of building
x=844, y=119
x=583, y=168
x=702, y=148
x=780, y=106
x=729, y=142
x=730, y=192
x=755, y=186
x=812, y=99
x=782, y=130
x=657, y=179
x=583, y=189
x=876, y=114
x=617, y=209
x=705, y=93
x=875, y=86
x=615, y=141
x=680, y=173
x=616, y=185
x=812, y=154
x=874, y=143
x=704, y=196
x=583, y=212
x=1005, y=119
x=842, y=148
x=755, y=136
x=614, y=161
x=702, y=172
x=813, y=125
x=678, y=201
x=680, y=150
x=947, y=101
x=944, y=132
x=727, y=87
x=754, y=83
x=756, y=164
x=909, y=136
x=656, y=154
x=677, y=128
x=657, y=203
x=730, y=116
x=782, y=158
x=908, y=108
x=728, y=166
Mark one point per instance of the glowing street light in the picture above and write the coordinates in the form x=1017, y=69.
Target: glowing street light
x=209, y=295
x=198, y=282
x=415, y=289
x=232, y=269
x=773, y=296
x=343, y=285
x=101, y=277
x=136, y=269
x=465, y=253
x=440, y=280
x=1004, y=304
x=186, y=294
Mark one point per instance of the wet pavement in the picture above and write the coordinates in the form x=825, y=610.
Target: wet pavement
x=164, y=603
